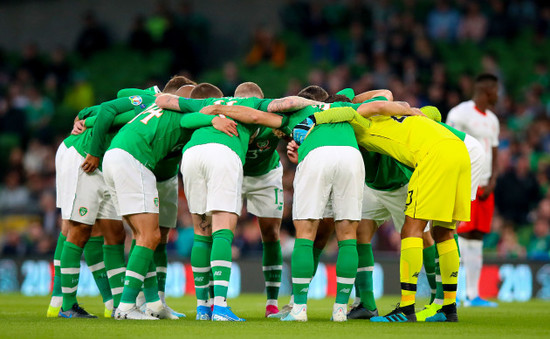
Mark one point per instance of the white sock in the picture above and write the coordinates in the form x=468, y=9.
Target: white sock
x=291, y=302
x=272, y=302
x=56, y=301
x=162, y=297
x=474, y=271
x=140, y=300
x=336, y=306
x=125, y=306
x=220, y=301
x=155, y=306
x=203, y=303
x=298, y=307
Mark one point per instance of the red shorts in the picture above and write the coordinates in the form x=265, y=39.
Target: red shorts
x=481, y=215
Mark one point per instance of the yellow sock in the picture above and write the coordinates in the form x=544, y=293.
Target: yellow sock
x=409, y=268
x=448, y=264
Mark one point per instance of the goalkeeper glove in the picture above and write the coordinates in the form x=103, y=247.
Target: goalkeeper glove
x=301, y=130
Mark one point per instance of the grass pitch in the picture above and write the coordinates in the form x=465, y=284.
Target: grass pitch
x=25, y=317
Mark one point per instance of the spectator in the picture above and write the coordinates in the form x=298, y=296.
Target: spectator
x=443, y=22
x=14, y=197
x=508, y=246
x=32, y=62
x=93, y=37
x=539, y=244
x=473, y=26
x=38, y=113
x=140, y=39
x=266, y=47
x=517, y=192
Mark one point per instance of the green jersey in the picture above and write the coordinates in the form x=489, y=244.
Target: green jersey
x=384, y=173
x=262, y=155
x=459, y=134
x=334, y=134
x=156, y=134
x=208, y=135
x=81, y=142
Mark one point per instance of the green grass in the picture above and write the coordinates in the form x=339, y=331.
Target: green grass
x=24, y=317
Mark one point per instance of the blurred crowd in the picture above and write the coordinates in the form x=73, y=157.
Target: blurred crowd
x=399, y=45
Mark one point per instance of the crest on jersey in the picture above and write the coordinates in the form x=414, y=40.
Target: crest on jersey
x=82, y=211
x=262, y=145
x=136, y=100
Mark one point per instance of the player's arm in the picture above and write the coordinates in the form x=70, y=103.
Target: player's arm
x=385, y=93
x=127, y=92
x=490, y=188
x=288, y=104
x=178, y=104
x=119, y=120
x=247, y=115
x=105, y=116
x=388, y=108
x=198, y=120
x=79, y=120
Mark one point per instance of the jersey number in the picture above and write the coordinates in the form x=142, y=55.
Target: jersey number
x=398, y=119
x=151, y=111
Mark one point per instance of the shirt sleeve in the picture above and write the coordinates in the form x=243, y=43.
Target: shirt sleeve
x=196, y=120
x=263, y=104
x=87, y=112
x=127, y=92
x=335, y=115
x=105, y=116
x=119, y=120
x=190, y=105
x=495, y=136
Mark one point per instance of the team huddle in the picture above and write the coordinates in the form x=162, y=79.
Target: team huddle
x=362, y=159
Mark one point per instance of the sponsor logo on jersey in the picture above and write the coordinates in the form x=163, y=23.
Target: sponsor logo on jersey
x=156, y=201
x=263, y=145
x=82, y=211
x=136, y=100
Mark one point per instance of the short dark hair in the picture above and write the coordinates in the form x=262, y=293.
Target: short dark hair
x=337, y=98
x=249, y=89
x=486, y=77
x=176, y=82
x=206, y=90
x=313, y=92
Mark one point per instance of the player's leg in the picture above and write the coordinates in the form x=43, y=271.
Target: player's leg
x=73, y=248
x=347, y=203
x=272, y=261
x=93, y=254
x=449, y=262
x=346, y=266
x=200, y=263
x=57, y=295
x=135, y=196
x=429, y=262
x=114, y=256
x=168, y=214
x=365, y=307
x=312, y=187
x=264, y=196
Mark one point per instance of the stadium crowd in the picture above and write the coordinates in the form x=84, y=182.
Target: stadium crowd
x=361, y=44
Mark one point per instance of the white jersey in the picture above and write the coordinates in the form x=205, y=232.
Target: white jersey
x=483, y=126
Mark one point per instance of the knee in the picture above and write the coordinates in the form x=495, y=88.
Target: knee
x=79, y=234
x=270, y=234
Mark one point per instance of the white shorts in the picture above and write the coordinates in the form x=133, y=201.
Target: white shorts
x=82, y=197
x=477, y=161
x=212, y=179
x=381, y=205
x=168, y=202
x=329, y=172
x=264, y=194
x=134, y=186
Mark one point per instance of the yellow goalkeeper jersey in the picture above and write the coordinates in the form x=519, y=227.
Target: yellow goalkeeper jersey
x=405, y=138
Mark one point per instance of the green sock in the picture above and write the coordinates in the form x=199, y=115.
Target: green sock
x=302, y=269
x=272, y=262
x=70, y=271
x=93, y=254
x=220, y=261
x=316, y=257
x=364, y=283
x=115, y=264
x=160, y=259
x=456, y=239
x=150, y=284
x=346, y=269
x=200, y=264
x=138, y=265
x=57, y=294
x=429, y=267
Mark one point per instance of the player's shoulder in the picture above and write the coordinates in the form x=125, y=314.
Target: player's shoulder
x=463, y=108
